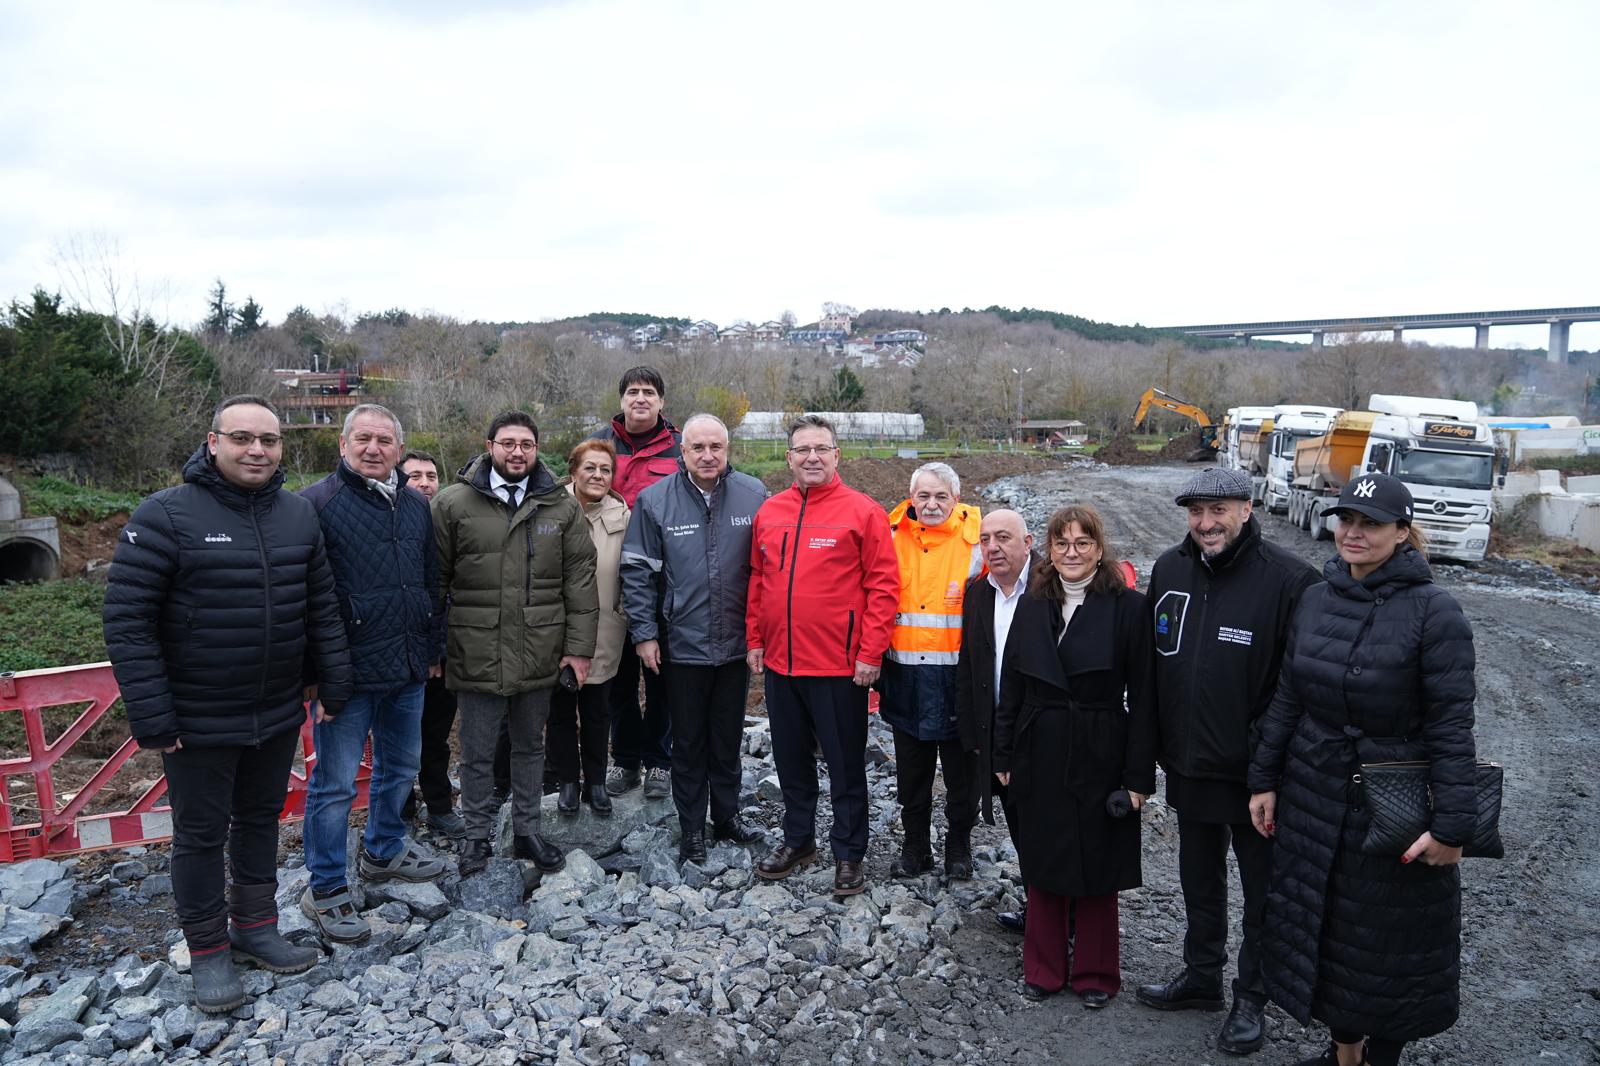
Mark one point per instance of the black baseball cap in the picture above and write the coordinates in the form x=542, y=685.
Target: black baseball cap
x=1378, y=496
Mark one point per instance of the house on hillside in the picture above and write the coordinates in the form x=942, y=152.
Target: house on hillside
x=769, y=332
x=838, y=317
x=738, y=332
x=312, y=398
x=700, y=330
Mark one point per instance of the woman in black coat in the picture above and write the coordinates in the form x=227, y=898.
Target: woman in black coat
x=1075, y=739
x=1379, y=668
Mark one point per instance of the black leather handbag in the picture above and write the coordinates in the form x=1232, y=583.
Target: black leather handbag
x=1401, y=805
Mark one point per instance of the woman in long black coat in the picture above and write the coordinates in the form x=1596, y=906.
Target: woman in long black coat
x=1075, y=724
x=1379, y=668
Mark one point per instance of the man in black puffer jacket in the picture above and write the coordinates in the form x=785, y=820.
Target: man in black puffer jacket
x=1221, y=602
x=218, y=599
x=386, y=573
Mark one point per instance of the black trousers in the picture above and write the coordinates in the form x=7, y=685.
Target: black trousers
x=639, y=741
x=224, y=797
x=1380, y=1052
x=438, y=718
x=806, y=712
x=577, y=734
x=914, y=764
x=707, y=730
x=1203, y=873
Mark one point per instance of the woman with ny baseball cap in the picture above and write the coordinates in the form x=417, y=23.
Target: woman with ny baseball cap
x=1379, y=668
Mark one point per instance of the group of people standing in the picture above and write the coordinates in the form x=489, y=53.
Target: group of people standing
x=524, y=610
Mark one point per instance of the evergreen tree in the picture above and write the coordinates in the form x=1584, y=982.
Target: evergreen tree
x=219, y=312
x=250, y=318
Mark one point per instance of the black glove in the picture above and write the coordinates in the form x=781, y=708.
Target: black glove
x=1119, y=804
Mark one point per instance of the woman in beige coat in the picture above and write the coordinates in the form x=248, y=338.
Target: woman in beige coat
x=580, y=722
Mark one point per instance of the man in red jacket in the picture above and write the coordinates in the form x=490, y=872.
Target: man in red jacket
x=648, y=447
x=824, y=586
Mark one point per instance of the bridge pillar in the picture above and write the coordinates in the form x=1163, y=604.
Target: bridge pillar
x=1560, y=332
x=1316, y=340
x=1483, y=336
x=1399, y=335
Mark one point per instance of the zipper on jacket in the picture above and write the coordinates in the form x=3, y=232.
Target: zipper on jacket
x=789, y=606
x=783, y=549
x=266, y=629
x=1199, y=647
x=849, y=632
x=527, y=568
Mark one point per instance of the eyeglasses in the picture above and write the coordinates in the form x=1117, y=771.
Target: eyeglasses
x=244, y=438
x=1078, y=547
x=813, y=449
x=529, y=446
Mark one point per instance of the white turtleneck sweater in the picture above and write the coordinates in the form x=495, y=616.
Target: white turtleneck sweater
x=1075, y=591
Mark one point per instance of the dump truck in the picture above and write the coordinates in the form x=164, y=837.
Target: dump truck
x=1437, y=447
x=1241, y=433
x=1290, y=425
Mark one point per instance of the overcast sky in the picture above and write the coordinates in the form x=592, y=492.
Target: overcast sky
x=1161, y=163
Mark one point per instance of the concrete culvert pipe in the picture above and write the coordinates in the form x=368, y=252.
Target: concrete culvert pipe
x=23, y=559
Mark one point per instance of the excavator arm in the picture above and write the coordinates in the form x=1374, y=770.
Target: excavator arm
x=1157, y=398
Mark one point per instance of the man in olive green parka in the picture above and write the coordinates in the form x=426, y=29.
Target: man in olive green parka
x=517, y=567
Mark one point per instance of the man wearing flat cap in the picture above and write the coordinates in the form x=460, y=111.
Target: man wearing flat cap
x=1220, y=604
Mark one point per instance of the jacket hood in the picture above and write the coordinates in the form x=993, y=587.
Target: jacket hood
x=612, y=496
x=1406, y=566
x=960, y=515
x=619, y=426
x=541, y=482
x=201, y=469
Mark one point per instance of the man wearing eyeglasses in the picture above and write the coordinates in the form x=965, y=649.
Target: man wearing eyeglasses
x=824, y=585
x=518, y=569
x=380, y=544
x=218, y=602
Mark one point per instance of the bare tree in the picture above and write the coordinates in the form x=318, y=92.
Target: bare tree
x=96, y=275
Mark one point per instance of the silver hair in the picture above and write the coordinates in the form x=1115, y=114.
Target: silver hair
x=374, y=409
x=706, y=416
x=812, y=422
x=943, y=471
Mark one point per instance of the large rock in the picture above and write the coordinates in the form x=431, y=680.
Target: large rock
x=497, y=890
x=21, y=929
x=22, y=885
x=597, y=837
x=67, y=1003
x=425, y=898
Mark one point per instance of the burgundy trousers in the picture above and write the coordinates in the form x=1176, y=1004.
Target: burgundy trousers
x=1072, y=940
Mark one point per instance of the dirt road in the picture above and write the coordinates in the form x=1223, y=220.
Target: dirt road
x=1531, y=940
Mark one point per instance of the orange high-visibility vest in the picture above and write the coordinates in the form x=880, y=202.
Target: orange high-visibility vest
x=935, y=565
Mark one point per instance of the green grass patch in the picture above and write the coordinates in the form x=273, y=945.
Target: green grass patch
x=1571, y=464
x=71, y=502
x=53, y=623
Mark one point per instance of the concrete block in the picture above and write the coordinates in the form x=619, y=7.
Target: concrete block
x=1550, y=481
x=1584, y=484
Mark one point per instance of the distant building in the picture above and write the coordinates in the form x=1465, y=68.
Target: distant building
x=914, y=337
x=769, y=332
x=645, y=335
x=701, y=329
x=311, y=398
x=817, y=336
x=739, y=331
x=837, y=317
x=1050, y=432
x=851, y=425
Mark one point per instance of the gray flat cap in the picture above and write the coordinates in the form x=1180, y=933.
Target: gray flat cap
x=1215, y=483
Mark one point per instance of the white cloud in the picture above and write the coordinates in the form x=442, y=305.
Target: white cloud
x=1154, y=163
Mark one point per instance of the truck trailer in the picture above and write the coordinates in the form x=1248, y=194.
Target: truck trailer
x=1292, y=424
x=1437, y=447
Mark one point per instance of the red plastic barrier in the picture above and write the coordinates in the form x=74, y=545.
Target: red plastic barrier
x=65, y=829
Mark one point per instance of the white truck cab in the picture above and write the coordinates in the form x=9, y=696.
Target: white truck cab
x=1445, y=456
x=1291, y=424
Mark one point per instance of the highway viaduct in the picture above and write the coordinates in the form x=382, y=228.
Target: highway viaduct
x=1560, y=320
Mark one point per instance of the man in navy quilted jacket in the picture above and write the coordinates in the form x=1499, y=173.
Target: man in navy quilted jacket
x=380, y=542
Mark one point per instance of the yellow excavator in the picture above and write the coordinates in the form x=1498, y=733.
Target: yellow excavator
x=1156, y=399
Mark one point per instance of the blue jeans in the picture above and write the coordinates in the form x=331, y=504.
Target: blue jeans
x=394, y=718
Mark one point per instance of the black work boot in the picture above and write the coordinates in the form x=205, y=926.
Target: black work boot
x=217, y=988
x=254, y=932
x=958, y=854
x=1244, y=1031
x=916, y=854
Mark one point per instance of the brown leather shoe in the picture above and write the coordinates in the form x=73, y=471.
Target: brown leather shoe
x=849, y=878
x=785, y=861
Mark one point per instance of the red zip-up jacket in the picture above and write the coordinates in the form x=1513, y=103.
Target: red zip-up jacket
x=638, y=469
x=824, y=582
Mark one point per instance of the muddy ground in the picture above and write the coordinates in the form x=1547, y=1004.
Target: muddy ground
x=1531, y=942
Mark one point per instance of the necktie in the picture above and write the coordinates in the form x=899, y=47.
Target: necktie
x=511, y=496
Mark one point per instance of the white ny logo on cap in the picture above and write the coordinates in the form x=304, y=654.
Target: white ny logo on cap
x=1365, y=489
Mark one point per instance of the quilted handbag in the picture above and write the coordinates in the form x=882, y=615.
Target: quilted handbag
x=1401, y=805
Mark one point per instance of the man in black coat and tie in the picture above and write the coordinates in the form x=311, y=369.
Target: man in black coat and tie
x=990, y=604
